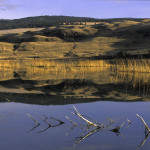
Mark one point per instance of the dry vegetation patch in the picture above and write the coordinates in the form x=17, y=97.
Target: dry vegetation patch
x=71, y=41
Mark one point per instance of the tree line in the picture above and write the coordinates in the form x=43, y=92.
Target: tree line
x=47, y=21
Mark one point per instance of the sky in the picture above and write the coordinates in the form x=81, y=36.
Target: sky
x=14, y=9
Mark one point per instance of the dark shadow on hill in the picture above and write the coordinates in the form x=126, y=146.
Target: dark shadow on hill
x=72, y=33
x=66, y=33
x=136, y=39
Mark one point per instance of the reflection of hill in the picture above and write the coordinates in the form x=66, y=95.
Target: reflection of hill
x=69, y=81
x=68, y=92
x=73, y=90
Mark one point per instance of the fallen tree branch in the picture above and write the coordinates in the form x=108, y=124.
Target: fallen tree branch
x=61, y=122
x=146, y=126
x=44, y=129
x=33, y=119
x=87, y=135
x=93, y=120
x=142, y=143
x=129, y=121
x=45, y=120
x=87, y=121
x=33, y=128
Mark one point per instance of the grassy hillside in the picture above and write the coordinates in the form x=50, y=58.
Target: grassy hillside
x=114, y=37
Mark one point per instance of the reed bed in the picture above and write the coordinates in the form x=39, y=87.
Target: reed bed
x=40, y=69
x=131, y=65
x=53, y=63
x=121, y=65
x=131, y=73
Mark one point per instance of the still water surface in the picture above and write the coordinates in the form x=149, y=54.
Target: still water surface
x=39, y=89
x=18, y=132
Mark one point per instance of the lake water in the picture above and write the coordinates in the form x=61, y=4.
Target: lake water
x=18, y=132
x=97, y=93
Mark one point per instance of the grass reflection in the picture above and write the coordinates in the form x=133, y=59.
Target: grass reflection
x=79, y=78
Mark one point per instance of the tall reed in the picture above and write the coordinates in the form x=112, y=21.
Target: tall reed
x=131, y=65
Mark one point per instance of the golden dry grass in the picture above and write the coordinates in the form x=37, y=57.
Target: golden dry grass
x=95, y=47
x=46, y=63
x=70, y=41
x=20, y=30
x=6, y=46
x=42, y=69
x=126, y=23
x=132, y=65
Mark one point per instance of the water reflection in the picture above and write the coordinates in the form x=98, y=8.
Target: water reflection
x=71, y=79
x=15, y=123
x=52, y=84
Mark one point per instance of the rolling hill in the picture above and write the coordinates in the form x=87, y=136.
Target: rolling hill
x=74, y=37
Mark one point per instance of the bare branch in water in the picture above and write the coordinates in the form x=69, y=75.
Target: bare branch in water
x=7, y=99
x=45, y=117
x=33, y=128
x=146, y=126
x=34, y=119
x=61, y=122
x=49, y=124
x=87, y=135
x=44, y=129
x=93, y=120
x=87, y=121
x=74, y=125
x=111, y=121
x=71, y=121
x=129, y=121
x=142, y=143
x=45, y=120
x=70, y=130
x=117, y=129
